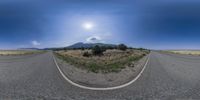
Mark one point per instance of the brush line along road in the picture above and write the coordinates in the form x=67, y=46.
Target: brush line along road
x=167, y=76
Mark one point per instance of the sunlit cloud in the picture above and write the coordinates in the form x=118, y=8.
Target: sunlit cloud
x=35, y=43
x=99, y=38
x=94, y=39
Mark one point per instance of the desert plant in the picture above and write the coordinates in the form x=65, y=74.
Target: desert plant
x=86, y=54
x=104, y=48
x=82, y=48
x=141, y=49
x=97, y=50
x=143, y=54
x=122, y=47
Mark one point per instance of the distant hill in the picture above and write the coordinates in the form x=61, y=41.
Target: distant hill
x=28, y=49
x=81, y=45
x=89, y=45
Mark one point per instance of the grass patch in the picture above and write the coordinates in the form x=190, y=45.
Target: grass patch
x=188, y=52
x=19, y=52
x=110, y=61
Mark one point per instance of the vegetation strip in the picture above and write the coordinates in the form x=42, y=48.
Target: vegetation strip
x=187, y=52
x=19, y=52
x=116, y=60
x=98, y=89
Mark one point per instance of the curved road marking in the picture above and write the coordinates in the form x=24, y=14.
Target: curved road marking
x=107, y=88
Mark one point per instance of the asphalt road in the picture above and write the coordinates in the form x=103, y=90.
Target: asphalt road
x=167, y=76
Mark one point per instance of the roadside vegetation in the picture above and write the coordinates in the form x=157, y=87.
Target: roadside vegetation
x=102, y=59
x=18, y=52
x=188, y=52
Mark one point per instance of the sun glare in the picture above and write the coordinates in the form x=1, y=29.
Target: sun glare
x=88, y=26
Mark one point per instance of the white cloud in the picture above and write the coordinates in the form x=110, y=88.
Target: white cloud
x=35, y=43
x=94, y=39
x=101, y=38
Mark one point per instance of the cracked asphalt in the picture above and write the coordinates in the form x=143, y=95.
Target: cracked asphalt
x=167, y=76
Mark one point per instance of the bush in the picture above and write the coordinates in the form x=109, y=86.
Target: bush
x=111, y=47
x=82, y=48
x=103, y=48
x=97, y=50
x=141, y=49
x=122, y=47
x=86, y=54
x=144, y=54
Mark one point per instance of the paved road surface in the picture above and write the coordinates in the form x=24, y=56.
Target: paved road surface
x=167, y=76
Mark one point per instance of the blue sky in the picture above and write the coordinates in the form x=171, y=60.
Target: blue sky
x=155, y=24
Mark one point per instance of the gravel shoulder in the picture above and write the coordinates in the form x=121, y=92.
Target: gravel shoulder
x=101, y=80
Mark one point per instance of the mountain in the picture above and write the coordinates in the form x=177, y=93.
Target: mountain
x=28, y=49
x=89, y=45
x=82, y=45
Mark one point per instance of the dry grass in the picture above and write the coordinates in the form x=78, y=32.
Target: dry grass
x=189, y=52
x=110, y=61
x=18, y=52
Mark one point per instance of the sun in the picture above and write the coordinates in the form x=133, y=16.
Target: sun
x=88, y=25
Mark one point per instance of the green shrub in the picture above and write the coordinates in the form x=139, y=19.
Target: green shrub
x=82, y=48
x=97, y=50
x=104, y=48
x=141, y=49
x=122, y=47
x=86, y=54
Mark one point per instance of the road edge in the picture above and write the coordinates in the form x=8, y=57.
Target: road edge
x=107, y=88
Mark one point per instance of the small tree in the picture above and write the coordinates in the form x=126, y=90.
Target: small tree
x=122, y=47
x=110, y=47
x=103, y=48
x=97, y=50
x=141, y=49
x=82, y=48
x=86, y=54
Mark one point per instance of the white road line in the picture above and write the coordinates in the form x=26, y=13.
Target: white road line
x=107, y=88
